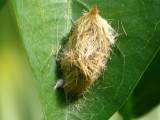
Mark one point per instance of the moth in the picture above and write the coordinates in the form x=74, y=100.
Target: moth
x=85, y=55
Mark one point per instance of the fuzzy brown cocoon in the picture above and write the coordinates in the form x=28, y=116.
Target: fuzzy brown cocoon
x=85, y=55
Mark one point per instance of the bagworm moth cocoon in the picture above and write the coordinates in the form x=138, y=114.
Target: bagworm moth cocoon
x=85, y=54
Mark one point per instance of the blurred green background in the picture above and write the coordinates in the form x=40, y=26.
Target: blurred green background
x=18, y=95
x=19, y=98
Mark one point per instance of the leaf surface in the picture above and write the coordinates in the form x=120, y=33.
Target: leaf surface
x=44, y=25
x=146, y=94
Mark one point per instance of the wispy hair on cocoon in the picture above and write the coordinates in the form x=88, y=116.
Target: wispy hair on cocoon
x=85, y=54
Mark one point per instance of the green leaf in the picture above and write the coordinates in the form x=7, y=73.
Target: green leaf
x=44, y=24
x=146, y=95
x=2, y=3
